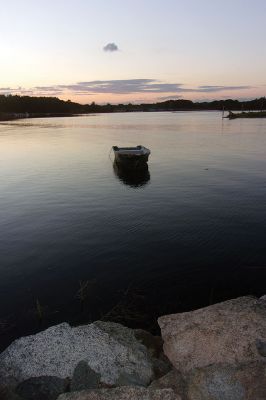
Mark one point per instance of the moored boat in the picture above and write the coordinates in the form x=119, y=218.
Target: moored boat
x=132, y=157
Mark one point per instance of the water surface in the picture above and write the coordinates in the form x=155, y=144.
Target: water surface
x=187, y=232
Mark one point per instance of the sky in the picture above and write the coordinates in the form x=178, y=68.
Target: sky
x=121, y=51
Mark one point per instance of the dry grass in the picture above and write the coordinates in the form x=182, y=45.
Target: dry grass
x=39, y=311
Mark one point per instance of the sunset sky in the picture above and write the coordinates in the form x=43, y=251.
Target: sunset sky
x=133, y=51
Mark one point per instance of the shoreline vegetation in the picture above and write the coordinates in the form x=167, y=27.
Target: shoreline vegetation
x=17, y=107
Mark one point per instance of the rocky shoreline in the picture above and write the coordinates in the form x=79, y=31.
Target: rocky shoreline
x=214, y=353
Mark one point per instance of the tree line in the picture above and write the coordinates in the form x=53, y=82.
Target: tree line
x=53, y=105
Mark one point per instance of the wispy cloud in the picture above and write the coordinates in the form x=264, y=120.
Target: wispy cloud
x=123, y=87
x=173, y=97
x=126, y=86
x=19, y=90
x=110, y=47
x=222, y=88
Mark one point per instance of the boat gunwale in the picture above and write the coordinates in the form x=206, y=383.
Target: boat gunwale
x=136, y=150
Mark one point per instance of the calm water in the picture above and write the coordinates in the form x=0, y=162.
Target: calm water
x=188, y=232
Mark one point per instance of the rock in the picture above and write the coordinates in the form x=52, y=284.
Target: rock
x=263, y=298
x=219, y=382
x=110, y=349
x=154, y=344
x=172, y=380
x=123, y=393
x=127, y=380
x=223, y=333
x=261, y=347
x=84, y=378
x=161, y=367
x=7, y=394
x=42, y=388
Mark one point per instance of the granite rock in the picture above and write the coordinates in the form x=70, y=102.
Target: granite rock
x=261, y=347
x=109, y=349
x=8, y=394
x=226, y=382
x=84, y=377
x=122, y=393
x=42, y=388
x=154, y=345
x=224, y=333
x=172, y=380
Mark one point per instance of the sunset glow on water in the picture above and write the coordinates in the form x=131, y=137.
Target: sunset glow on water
x=190, y=231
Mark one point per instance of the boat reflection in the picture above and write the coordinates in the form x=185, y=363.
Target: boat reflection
x=132, y=177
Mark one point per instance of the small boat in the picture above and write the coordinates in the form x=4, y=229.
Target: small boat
x=132, y=157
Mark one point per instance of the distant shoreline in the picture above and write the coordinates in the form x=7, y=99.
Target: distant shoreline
x=15, y=116
x=13, y=107
x=6, y=117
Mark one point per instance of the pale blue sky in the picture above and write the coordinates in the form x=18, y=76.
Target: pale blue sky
x=202, y=49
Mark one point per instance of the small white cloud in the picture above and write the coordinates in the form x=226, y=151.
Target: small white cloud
x=111, y=47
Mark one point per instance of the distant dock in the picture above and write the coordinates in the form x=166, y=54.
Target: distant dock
x=250, y=114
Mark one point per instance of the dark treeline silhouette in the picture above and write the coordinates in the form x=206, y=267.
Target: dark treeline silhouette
x=34, y=106
x=28, y=104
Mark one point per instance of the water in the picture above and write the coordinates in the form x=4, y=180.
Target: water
x=188, y=232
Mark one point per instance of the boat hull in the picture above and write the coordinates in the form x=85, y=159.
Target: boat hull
x=131, y=157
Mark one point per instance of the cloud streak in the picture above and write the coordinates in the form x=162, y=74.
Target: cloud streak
x=209, y=89
x=122, y=87
x=171, y=97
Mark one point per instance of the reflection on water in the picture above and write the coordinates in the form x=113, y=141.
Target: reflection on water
x=135, y=178
x=192, y=235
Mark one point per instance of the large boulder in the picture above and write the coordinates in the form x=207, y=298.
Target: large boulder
x=109, y=349
x=223, y=382
x=123, y=393
x=224, y=333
